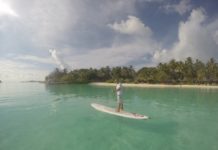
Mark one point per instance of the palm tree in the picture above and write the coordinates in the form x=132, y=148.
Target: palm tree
x=200, y=71
x=190, y=73
x=211, y=70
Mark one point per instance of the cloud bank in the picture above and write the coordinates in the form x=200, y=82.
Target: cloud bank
x=132, y=26
x=135, y=48
x=100, y=33
x=196, y=38
x=181, y=8
x=20, y=71
x=6, y=10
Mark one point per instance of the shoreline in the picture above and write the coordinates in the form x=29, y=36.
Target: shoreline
x=146, y=85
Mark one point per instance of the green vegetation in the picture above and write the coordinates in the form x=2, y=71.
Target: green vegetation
x=173, y=72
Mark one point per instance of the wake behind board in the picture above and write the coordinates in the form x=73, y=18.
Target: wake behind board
x=112, y=111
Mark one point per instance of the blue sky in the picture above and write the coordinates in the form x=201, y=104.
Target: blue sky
x=96, y=33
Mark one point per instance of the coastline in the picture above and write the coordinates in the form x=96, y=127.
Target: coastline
x=146, y=85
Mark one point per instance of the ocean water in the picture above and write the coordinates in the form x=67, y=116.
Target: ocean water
x=35, y=116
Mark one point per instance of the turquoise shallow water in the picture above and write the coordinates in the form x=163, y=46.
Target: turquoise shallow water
x=59, y=117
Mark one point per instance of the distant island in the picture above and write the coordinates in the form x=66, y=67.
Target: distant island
x=188, y=71
x=0, y=81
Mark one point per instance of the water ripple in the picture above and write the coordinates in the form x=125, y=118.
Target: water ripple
x=6, y=101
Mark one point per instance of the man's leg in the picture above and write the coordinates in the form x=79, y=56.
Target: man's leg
x=121, y=105
x=118, y=103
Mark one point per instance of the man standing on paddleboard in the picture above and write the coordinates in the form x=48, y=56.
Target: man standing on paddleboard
x=119, y=93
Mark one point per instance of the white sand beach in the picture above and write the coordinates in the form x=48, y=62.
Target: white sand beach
x=145, y=85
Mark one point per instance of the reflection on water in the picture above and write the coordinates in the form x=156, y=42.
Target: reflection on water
x=78, y=90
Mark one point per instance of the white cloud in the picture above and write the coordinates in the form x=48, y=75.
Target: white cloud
x=196, y=39
x=132, y=26
x=49, y=20
x=6, y=9
x=182, y=7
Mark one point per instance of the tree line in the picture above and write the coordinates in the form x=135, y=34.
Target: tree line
x=188, y=71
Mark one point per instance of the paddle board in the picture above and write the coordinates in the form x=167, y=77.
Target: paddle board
x=112, y=111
